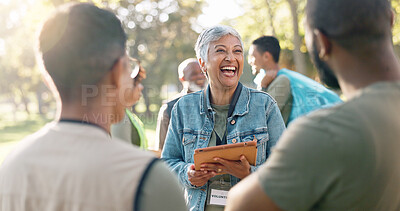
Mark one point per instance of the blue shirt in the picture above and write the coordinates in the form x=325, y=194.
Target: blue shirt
x=308, y=95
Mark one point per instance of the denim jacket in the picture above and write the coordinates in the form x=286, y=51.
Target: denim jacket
x=256, y=115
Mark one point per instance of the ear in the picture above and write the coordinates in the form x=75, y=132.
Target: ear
x=267, y=56
x=202, y=65
x=324, y=44
x=117, y=73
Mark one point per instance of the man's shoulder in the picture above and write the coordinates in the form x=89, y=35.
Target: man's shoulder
x=172, y=102
x=342, y=120
x=259, y=95
x=280, y=79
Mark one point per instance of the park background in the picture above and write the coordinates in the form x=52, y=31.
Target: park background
x=160, y=33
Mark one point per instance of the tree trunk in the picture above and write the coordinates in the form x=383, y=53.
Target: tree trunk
x=25, y=101
x=40, y=103
x=299, y=59
x=271, y=17
x=15, y=106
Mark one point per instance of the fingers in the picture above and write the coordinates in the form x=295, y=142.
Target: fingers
x=244, y=160
x=200, y=173
x=239, y=168
x=211, y=167
x=201, y=178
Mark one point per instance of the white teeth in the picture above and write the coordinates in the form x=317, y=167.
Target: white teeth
x=228, y=68
x=229, y=74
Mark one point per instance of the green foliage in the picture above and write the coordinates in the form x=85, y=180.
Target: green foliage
x=396, y=26
x=19, y=76
x=161, y=34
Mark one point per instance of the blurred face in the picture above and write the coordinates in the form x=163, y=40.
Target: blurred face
x=138, y=86
x=255, y=59
x=225, y=62
x=194, y=76
x=130, y=90
x=326, y=74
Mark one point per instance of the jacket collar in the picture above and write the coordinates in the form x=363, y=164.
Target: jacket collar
x=241, y=108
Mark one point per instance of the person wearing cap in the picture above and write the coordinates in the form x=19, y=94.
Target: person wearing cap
x=226, y=112
x=73, y=163
x=193, y=80
x=131, y=128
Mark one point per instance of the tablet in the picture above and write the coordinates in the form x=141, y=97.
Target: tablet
x=227, y=151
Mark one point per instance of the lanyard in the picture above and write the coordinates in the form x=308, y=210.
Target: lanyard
x=232, y=105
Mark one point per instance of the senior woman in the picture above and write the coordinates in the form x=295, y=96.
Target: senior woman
x=225, y=112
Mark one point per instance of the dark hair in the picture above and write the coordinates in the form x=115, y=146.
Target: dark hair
x=353, y=24
x=270, y=44
x=79, y=44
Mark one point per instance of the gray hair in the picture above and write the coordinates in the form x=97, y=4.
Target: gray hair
x=210, y=35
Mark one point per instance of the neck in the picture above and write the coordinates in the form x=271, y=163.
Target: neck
x=93, y=114
x=274, y=67
x=270, y=74
x=221, y=96
x=360, y=72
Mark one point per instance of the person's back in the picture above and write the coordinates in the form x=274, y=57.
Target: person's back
x=344, y=157
x=351, y=150
x=73, y=163
x=69, y=166
x=365, y=134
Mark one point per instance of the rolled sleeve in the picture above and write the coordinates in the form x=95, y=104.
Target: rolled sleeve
x=173, y=152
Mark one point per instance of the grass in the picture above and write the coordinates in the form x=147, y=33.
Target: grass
x=13, y=131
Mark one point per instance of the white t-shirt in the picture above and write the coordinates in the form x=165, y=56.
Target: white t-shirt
x=74, y=166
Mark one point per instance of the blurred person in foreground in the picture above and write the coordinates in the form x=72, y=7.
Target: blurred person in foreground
x=73, y=163
x=226, y=112
x=296, y=94
x=193, y=80
x=131, y=128
x=345, y=157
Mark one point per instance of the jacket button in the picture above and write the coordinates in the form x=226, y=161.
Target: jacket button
x=233, y=122
x=234, y=141
x=254, y=138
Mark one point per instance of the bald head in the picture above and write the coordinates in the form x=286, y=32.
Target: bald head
x=191, y=76
x=351, y=23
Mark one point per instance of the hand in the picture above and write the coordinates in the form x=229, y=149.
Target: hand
x=199, y=178
x=239, y=168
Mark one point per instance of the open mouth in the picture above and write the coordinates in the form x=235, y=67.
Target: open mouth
x=229, y=71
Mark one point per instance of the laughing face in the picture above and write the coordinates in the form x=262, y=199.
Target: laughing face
x=225, y=62
x=255, y=59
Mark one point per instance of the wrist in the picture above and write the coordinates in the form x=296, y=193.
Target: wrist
x=245, y=174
